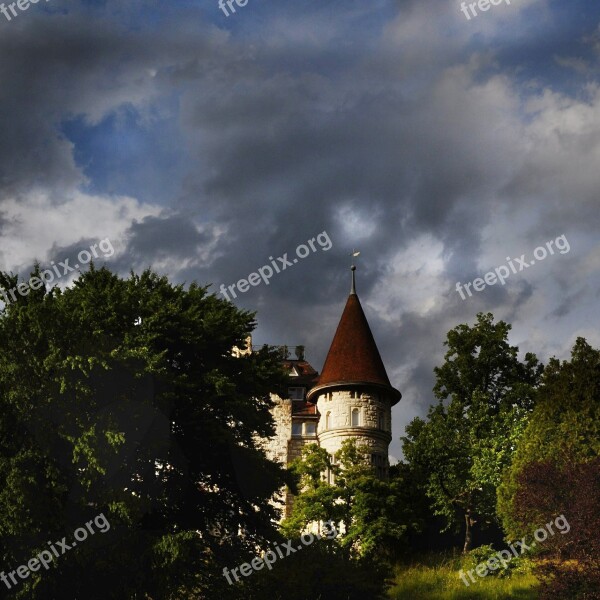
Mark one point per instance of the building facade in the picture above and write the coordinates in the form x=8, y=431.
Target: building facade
x=352, y=398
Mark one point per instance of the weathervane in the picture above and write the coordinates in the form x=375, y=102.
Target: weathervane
x=354, y=254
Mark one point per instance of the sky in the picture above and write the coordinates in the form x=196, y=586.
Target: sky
x=207, y=146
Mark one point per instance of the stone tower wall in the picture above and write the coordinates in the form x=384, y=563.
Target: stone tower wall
x=339, y=403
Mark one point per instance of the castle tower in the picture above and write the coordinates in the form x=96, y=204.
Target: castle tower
x=353, y=394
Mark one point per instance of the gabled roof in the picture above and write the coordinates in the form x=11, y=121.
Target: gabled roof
x=302, y=366
x=306, y=377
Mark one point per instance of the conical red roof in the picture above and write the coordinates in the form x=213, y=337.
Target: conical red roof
x=353, y=355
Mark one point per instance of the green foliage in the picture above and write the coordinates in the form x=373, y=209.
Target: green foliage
x=478, y=555
x=564, y=426
x=485, y=395
x=322, y=571
x=481, y=554
x=372, y=512
x=123, y=397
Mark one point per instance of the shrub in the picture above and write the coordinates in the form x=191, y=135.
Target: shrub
x=571, y=568
x=519, y=564
x=322, y=571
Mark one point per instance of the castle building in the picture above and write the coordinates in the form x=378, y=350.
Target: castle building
x=352, y=398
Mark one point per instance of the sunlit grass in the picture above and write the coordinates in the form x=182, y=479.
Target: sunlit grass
x=437, y=577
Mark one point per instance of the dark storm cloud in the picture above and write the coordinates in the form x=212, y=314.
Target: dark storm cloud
x=157, y=237
x=298, y=122
x=293, y=152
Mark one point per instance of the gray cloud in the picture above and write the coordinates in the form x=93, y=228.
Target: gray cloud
x=406, y=139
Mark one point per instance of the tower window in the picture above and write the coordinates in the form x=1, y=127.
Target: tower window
x=380, y=420
x=355, y=417
x=296, y=428
x=328, y=420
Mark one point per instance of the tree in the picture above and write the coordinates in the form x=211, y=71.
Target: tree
x=485, y=394
x=122, y=397
x=372, y=511
x=567, y=494
x=564, y=426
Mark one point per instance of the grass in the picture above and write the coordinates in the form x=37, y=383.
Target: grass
x=436, y=578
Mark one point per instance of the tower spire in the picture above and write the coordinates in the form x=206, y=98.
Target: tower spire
x=353, y=358
x=353, y=269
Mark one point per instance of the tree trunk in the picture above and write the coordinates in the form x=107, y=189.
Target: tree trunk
x=468, y=533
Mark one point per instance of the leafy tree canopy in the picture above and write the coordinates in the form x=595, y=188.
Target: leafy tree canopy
x=372, y=511
x=485, y=394
x=123, y=397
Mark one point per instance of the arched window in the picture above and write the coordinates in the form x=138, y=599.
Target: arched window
x=355, y=417
x=328, y=420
